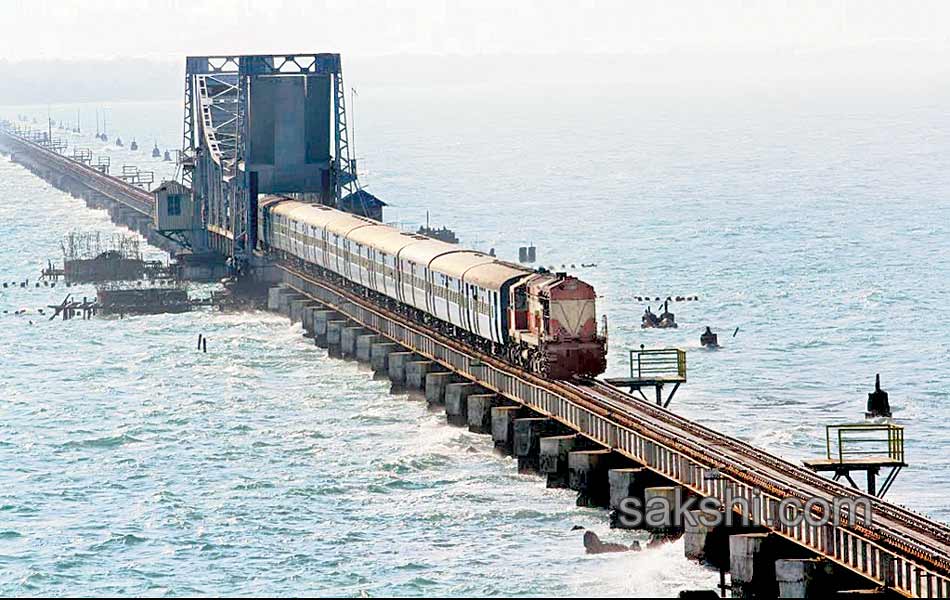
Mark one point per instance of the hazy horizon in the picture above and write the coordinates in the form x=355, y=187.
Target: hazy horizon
x=97, y=29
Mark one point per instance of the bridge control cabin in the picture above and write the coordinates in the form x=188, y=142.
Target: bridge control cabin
x=174, y=208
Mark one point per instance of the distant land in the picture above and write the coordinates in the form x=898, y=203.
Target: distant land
x=139, y=79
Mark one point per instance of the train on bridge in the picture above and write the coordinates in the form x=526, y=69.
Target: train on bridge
x=537, y=320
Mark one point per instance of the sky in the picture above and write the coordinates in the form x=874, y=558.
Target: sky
x=167, y=29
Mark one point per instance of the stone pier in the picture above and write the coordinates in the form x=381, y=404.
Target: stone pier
x=379, y=356
x=587, y=471
x=297, y=307
x=348, y=337
x=307, y=318
x=334, y=334
x=320, y=320
x=802, y=577
x=751, y=567
x=273, y=297
x=417, y=374
x=659, y=505
x=456, y=402
x=502, y=427
x=364, y=346
x=288, y=296
x=552, y=460
x=528, y=432
x=706, y=542
x=435, y=386
x=479, y=412
x=397, y=367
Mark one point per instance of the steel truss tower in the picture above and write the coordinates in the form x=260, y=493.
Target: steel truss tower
x=217, y=121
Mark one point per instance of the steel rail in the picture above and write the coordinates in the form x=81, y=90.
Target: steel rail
x=890, y=552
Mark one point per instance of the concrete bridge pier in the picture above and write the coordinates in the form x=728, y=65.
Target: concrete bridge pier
x=632, y=483
x=660, y=507
x=379, y=356
x=320, y=320
x=417, y=374
x=707, y=542
x=457, y=395
x=587, y=472
x=284, y=298
x=348, y=337
x=435, y=385
x=334, y=334
x=306, y=318
x=752, y=566
x=479, y=411
x=364, y=345
x=503, y=427
x=552, y=458
x=273, y=297
x=802, y=577
x=297, y=308
x=397, y=368
x=456, y=401
x=527, y=433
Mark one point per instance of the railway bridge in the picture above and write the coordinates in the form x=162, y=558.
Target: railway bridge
x=587, y=434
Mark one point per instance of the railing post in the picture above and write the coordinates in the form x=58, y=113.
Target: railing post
x=840, y=445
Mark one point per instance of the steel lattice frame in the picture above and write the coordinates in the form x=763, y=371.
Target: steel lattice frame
x=215, y=129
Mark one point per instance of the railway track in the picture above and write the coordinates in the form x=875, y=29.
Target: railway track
x=895, y=528
x=926, y=539
x=900, y=529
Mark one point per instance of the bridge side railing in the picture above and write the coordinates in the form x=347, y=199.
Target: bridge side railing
x=850, y=548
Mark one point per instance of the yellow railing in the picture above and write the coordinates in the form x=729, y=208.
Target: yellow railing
x=668, y=364
x=865, y=440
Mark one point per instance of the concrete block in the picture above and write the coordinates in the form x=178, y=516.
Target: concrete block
x=587, y=470
x=306, y=319
x=456, y=402
x=286, y=297
x=527, y=433
x=552, y=459
x=273, y=297
x=364, y=345
x=624, y=484
x=397, y=367
x=297, y=307
x=659, y=505
x=379, y=356
x=502, y=427
x=751, y=571
x=479, y=412
x=417, y=372
x=348, y=337
x=320, y=320
x=435, y=386
x=334, y=334
x=801, y=578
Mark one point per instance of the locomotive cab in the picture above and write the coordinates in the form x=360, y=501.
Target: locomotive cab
x=559, y=319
